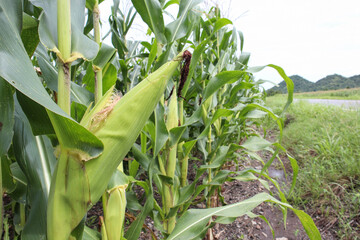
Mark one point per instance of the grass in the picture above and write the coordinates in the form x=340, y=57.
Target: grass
x=326, y=142
x=341, y=94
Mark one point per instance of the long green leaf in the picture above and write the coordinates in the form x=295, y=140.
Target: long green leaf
x=6, y=117
x=195, y=220
x=151, y=13
x=180, y=26
x=256, y=144
x=105, y=55
x=221, y=23
x=219, y=80
x=91, y=234
x=288, y=81
x=36, y=159
x=29, y=34
x=162, y=134
x=134, y=230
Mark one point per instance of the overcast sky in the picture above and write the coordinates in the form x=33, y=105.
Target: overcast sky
x=311, y=38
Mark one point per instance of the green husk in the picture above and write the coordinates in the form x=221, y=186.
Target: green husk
x=114, y=218
x=172, y=122
x=117, y=123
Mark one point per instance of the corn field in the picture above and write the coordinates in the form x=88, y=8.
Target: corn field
x=73, y=108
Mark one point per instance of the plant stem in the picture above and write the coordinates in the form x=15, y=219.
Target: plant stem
x=209, y=171
x=98, y=85
x=96, y=21
x=143, y=138
x=184, y=170
x=22, y=215
x=1, y=200
x=98, y=73
x=64, y=43
x=209, y=202
x=104, y=199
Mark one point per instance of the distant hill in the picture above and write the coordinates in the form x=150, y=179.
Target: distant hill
x=331, y=82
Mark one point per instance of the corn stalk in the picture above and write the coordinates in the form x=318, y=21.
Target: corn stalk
x=97, y=33
x=64, y=70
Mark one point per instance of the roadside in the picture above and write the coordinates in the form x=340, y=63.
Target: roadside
x=341, y=94
x=325, y=141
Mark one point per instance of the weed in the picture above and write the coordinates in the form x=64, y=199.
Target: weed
x=325, y=141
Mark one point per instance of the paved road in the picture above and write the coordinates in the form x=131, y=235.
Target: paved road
x=341, y=103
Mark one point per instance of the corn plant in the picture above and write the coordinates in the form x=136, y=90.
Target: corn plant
x=220, y=112
x=73, y=107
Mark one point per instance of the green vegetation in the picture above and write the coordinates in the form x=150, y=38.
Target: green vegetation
x=344, y=94
x=73, y=108
x=325, y=141
x=331, y=82
x=341, y=94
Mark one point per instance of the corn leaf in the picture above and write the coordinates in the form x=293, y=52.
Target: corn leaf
x=221, y=23
x=152, y=55
x=219, y=159
x=256, y=144
x=288, y=81
x=91, y=234
x=105, y=55
x=162, y=134
x=195, y=220
x=29, y=34
x=151, y=13
x=140, y=157
x=13, y=13
x=8, y=181
x=134, y=230
x=220, y=80
x=36, y=160
x=180, y=26
x=6, y=117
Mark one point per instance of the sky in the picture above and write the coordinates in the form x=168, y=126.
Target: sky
x=310, y=38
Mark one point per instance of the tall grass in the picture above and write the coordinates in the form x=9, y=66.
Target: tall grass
x=344, y=94
x=325, y=140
